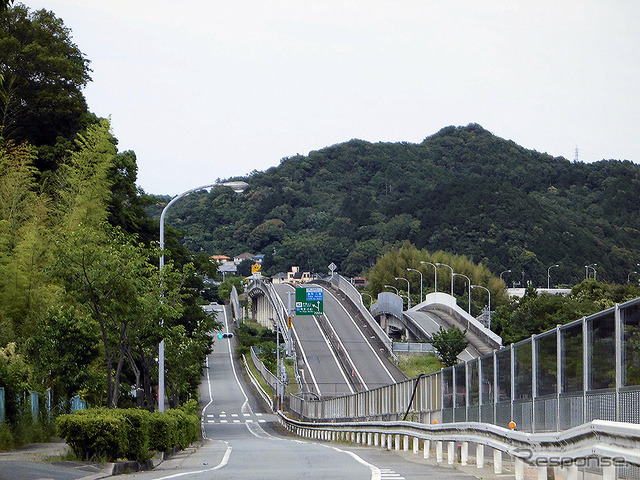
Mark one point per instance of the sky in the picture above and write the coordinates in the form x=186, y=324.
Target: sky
x=204, y=90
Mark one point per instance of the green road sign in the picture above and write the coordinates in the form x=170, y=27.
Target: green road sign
x=308, y=301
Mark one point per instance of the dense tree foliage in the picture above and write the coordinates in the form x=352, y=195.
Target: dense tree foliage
x=462, y=190
x=539, y=312
x=43, y=73
x=83, y=304
x=395, y=264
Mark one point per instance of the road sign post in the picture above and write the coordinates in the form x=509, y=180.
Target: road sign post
x=309, y=301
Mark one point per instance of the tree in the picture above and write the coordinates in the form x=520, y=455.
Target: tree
x=26, y=290
x=43, y=74
x=109, y=275
x=449, y=344
x=63, y=350
x=5, y=4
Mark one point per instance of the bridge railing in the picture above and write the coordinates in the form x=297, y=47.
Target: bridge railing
x=611, y=449
x=582, y=371
x=344, y=285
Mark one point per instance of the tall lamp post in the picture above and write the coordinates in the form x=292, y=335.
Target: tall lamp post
x=489, y=292
x=419, y=273
x=408, y=291
x=237, y=187
x=468, y=280
x=549, y=275
x=593, y=267
x=450, y=268
x=435, y=275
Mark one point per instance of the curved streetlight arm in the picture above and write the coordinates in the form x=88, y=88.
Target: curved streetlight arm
x=489, y=292
x=420, y=273
x=549, y=275
x=236, y=187
x=391, y=286
x=450, y=268
x=502, y=273
x=435, y=275
x=468, y=280
x=408, y=291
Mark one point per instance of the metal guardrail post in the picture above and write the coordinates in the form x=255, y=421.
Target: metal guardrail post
x=585, y=367
x=618, y=338
x=559, y=379
x=2, y=405
x=513, y=379
x=534, y=381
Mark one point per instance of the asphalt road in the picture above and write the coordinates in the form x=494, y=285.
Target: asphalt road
x=244, y=442
x=322, y=372
x=367, y=363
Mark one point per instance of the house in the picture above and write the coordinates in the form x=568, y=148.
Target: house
x=279, y=278
x=243, y=256
x=295, y=276
x=228, y=268
x=221, y=259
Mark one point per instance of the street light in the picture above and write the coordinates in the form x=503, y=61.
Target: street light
x=591, y=266
x=391, y=286
x=549, y=275
x=629, y=277
x=506, y=271
x=451, y=268
x=408, y=291
x=237, y=187
x=414, y=270
x=370, y=299
x=435, y=275
x=489, y=292
x=468, y=280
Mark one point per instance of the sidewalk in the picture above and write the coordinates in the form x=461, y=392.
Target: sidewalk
x=36, y=452
x=52, y=453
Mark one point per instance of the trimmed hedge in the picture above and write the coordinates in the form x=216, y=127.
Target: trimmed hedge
x=110, y=434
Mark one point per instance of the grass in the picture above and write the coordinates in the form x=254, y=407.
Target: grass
x=293, y=387
x=414, y=365
x=258, y=376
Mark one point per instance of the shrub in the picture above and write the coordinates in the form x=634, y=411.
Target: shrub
x=6, y=437
x=162, y=432
x=188, y=430
x=103, y=434
x=136, y=424
x=94, y=435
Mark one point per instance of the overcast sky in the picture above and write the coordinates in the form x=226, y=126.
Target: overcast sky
x=207, y=89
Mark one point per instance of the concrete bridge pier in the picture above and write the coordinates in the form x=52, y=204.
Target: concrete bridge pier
x=261, y=309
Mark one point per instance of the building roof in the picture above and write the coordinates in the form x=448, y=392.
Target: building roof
x=228, y=268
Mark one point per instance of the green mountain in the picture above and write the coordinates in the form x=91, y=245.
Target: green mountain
x=462, y=190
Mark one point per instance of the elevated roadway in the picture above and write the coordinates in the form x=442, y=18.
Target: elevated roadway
x=425, y=319
x=339, y=352
x=320, y=369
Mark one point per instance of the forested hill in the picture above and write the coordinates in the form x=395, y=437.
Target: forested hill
x=462, y=190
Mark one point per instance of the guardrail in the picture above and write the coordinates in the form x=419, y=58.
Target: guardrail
x=412, y=347
x=582, y=371
x=609, y=448
x=264, y=395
